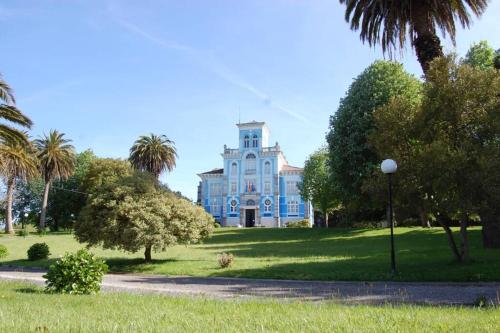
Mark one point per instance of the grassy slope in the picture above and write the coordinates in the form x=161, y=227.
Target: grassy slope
x=25, y=309
x=319, y=254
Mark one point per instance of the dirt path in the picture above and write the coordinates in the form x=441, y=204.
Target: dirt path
x=345, y=292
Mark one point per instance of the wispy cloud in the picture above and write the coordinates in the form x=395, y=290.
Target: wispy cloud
x=209, y=61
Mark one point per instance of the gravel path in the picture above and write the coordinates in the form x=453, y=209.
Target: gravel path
x=446, y=293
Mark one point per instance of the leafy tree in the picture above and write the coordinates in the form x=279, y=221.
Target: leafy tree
x=390, y=23
x=134, y=213
x=154, y=154
x=396, y=137
x=57, y=161
x=316, y=186
x=451, y=152
x=67, y=197
x=9, y=112
x=103, y=171
x=480, y=55
x=352, y=158
x=17, y=162
x=496, y=59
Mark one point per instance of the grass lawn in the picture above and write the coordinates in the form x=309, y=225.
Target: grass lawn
x=317, y=254
x=24, y=308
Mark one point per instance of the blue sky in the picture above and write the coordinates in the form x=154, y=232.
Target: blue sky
x=105, y=72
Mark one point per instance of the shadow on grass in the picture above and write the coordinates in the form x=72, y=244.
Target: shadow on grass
x=29, y=290
x=127, y=265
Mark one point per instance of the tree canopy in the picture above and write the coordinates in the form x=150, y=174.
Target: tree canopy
x=134, y=213
x=316, y=186
x=352, y=157
x=480, y=55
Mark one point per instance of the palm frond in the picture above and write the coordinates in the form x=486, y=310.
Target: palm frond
x=154, y=154
x=14, y=115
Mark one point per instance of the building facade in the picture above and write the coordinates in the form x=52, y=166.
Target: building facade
x=256, y=186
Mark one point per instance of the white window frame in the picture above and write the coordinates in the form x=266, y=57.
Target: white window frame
x=234, y=169
x=291, y=187
x=267, y=187
x=293, y=207
x=234, y=187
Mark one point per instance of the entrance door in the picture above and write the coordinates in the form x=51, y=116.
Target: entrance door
x=249, y=218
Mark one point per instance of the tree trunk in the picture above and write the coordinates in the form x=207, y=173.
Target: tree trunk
x=9, y=228
x=326, y=220
x=43, y=215
x=423, y=218
x=491, y=228
x=427, y=44
x=464, y=246
x=147, y=253
x=451, y=241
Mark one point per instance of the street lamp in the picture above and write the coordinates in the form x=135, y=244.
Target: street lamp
x=389, y=167
x=25, y=218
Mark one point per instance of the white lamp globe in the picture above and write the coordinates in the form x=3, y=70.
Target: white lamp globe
x=388, y=166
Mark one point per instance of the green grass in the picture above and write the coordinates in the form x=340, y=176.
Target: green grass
x=315, y=254
x=24, y=308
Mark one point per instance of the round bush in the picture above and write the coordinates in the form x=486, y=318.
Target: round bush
x=76, y=273
x=217, y=225
x=38, y=251
x=3, y=251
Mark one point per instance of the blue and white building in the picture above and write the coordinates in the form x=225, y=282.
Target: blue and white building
x=256, y=186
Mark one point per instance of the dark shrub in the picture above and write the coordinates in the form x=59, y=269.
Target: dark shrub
x=217, y=225
x=38, y=251
x=76, y=273
x=3, y=251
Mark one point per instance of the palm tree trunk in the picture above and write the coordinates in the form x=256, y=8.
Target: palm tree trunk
x=43, y=215
x=9, y=228
x=427, y=44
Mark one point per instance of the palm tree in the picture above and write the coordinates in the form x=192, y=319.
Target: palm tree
x=57, y=161
x=17, y=162
x=9, y=112
x=154, y=154
x=390, y=22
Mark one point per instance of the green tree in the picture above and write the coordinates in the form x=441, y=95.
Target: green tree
x=57, y=161
x=9, y=112
x=390, y=23
x=67, y=197
x=352, y=158
x=316, y=186
x=134, y=213
x=103, y=171
x=17, y=162
x=153, y=154
x=396, y=136
x=451, y=153
x=480, y=55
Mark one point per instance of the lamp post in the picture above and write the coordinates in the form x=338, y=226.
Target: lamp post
x=389, y=167
x=24, y=220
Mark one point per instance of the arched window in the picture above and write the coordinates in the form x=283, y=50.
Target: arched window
x=246, y=141
x=250, y=202
x=255, y=141
x=234, y=169
x=250, y=164
x=267, y=168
